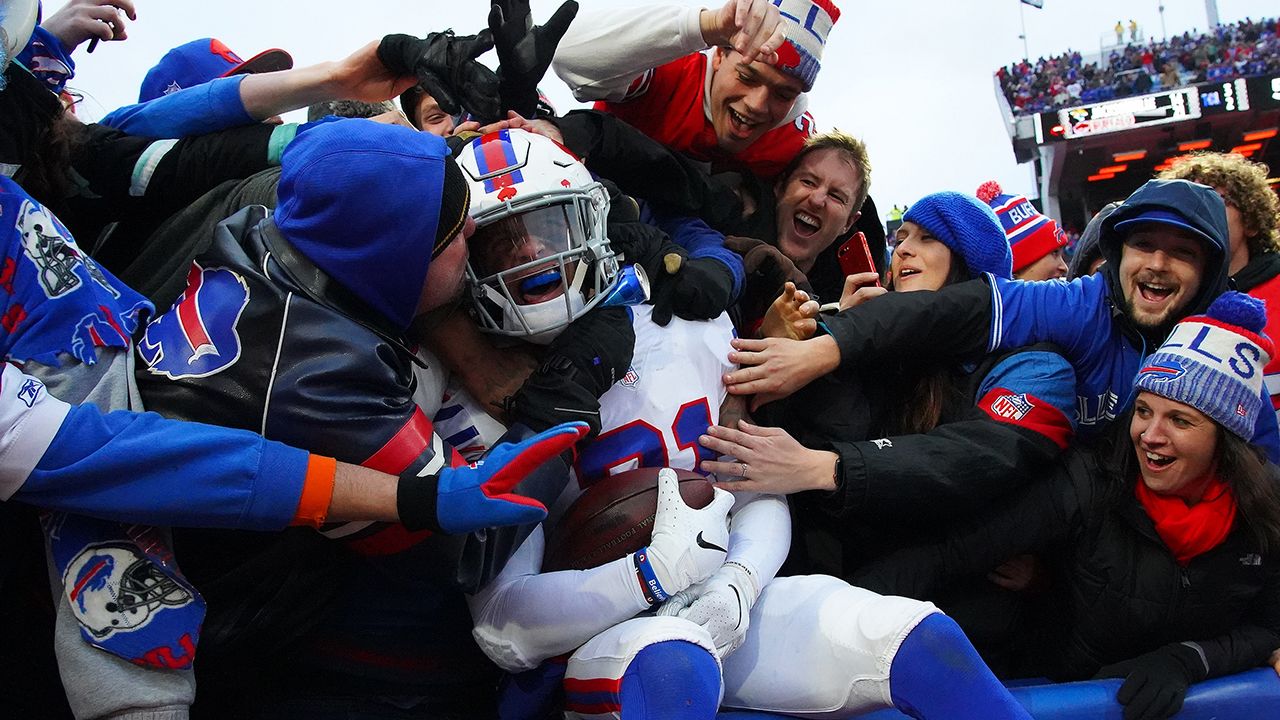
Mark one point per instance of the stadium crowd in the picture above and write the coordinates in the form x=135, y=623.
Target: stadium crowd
x=1243, y=49
x=387, y=357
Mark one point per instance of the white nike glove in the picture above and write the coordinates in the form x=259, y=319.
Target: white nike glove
x=688, y=545
x=721, y=604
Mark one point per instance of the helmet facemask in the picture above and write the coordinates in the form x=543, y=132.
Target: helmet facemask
x=539, y=258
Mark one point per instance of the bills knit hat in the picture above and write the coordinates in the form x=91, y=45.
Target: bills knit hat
x=1213, y=362
x=807, y=23
x=968, y=227
x=200, y=61
x=1031, y=235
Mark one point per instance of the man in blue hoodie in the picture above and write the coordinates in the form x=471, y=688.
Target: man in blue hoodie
x=1166, y=258
x=294, y=323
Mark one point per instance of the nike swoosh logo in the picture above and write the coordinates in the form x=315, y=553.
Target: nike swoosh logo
x=702, y=542
x=737, y=595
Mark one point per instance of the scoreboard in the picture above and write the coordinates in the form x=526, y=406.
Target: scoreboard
x=1168, y=106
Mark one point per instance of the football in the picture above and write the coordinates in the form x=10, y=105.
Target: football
x=614, y=518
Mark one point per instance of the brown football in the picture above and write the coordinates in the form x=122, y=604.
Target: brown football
x=614, y=518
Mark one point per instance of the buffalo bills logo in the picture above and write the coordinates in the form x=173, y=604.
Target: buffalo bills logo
x=95, y=330
x=197, y=336
x=112, y=588
x=1162, y=371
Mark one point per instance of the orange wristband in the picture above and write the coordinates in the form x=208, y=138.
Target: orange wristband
x=317, y=491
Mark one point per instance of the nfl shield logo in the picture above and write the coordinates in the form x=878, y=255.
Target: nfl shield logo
x=631, y=378
x=1012, y=407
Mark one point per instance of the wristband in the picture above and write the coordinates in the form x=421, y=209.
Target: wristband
x=649, y=585
x=416, y=501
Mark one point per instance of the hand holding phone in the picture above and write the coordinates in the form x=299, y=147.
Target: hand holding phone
x=855, y=257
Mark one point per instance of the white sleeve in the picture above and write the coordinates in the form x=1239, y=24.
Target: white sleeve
x=29, y=419
x=605, y=50
x=524, y=616
x=760, y=534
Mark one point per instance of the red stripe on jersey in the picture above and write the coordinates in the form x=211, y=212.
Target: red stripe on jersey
x=1027, y=411
x=404, y=447
x=577, y=685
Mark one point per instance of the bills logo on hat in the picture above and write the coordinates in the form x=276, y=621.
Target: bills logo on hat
x=197, y=337
x=1162, y=371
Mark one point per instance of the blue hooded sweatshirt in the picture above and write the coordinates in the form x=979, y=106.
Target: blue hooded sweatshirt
x=361, y=200
x=1086, y=317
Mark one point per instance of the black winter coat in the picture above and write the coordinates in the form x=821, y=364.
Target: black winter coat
x=1125, y=593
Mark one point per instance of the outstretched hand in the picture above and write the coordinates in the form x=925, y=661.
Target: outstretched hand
x=752, y=27
x=445, y=65
x=792, y=315
x=525, y=50
x=766, y=460
x=774, y=368
x=467, y=498
x=81, y=20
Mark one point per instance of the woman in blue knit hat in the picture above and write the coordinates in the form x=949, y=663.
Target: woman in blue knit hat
x=948, y=237
x=1168, y=540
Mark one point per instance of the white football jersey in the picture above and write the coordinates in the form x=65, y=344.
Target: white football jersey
x=653, y=415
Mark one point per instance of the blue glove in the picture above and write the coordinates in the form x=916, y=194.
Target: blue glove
x=462, y=499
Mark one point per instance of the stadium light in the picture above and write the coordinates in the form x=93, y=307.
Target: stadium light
x=1101, y=176
x=1246, y=150
x=1130, y=156
x=1257, y=135
x=1113, y=169
x=1190, y=145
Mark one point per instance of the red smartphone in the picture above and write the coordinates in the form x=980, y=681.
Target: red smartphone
x=855, y=257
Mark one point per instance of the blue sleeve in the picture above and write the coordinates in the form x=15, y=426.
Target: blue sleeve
x=143, y=468
x=197, y=110
x=1266, y=434
x=1069, y=314
x=1034, y=389
x=701, y=241
x=47, y=60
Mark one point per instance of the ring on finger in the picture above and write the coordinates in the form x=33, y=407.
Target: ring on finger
x=743, y=474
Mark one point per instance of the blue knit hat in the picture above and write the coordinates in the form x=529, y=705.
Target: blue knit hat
x=967, y=226
x=1213, y=362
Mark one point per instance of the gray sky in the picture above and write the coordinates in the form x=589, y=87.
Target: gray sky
x=911, y=77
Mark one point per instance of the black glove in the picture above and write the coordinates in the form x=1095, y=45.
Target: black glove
x=766, y=272
x=692, y=288
x=525, y=50
x=446, y=67
x=584, y=361
x=1155, y=684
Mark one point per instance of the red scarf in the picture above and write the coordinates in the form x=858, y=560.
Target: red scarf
x=1190, y=530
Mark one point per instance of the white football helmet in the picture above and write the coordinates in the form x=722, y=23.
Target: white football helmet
x=539, y=257
x=17, y=21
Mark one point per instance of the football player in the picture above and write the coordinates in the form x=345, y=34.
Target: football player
x=688, y=622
